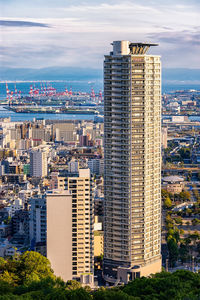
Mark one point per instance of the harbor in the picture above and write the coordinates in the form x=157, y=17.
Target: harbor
x=51, y=110
x=22, y=117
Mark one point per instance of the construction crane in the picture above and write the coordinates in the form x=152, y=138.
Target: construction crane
x=7, y=94
x=92, y=95
x=100, y=97
x=70, y=92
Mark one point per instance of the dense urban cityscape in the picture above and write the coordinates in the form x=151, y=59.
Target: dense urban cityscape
x=99, y=150
x=110, y=199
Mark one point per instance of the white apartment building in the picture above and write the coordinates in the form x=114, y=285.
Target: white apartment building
x=96, y=166
x=73, y=166
x=16, y=205
x=38, y=163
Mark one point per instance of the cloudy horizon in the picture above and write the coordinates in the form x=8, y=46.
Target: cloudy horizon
x=38, y=34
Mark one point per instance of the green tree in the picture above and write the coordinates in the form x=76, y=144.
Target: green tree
x=79, y=294
x=73, y=285
x=187, y=241
x=188, y=223
x=7, y=221
x=171, y=232
x=167, y=202
x=194, y=236
x=2, y=263
x=5, y=288
x=189, y=211
x=183, y=252
x=113, y=294
x=173, y=251
x=33, y=266
x=28, y=267
x=169, y=218
x=184, y=153
x=176, y=234
x=178, y=220
x=164, y=194
x=195, y=222
x=185, y=196
x=166, y=286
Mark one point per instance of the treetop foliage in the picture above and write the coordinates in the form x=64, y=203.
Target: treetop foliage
x=29, y=276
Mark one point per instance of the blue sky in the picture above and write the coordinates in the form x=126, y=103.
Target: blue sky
x=44, y=33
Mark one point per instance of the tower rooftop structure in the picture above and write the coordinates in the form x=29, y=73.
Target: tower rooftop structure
x=127, y=47
x=140, y=48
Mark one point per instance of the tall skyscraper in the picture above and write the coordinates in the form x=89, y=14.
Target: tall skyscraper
x=132, y=120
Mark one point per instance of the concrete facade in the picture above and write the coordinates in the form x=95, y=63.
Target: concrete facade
x=38, y=163
x=82, y=223
x=59, y=233
x=37, y=219
x=173, y=184
x=81, y=188
x=132, y=172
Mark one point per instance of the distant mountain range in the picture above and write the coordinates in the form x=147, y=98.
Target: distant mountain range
x=179, y=75
x=51, y=73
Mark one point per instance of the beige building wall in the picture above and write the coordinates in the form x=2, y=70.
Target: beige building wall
x=82, y=222
x=61, y=182
x=98, y=243
x=81, y=189
x=125, y=275
x=64, y=131
x=164, y=137
x=53, y=184
x=59, y=233
x=175, y=188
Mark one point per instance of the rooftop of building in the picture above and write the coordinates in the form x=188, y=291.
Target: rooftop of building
x=173, y=179
x=58, y=192
x=140, y=48
x=127, y=47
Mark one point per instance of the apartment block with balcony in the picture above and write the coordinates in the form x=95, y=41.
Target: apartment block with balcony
x=132, y=139
x=81, y=214
x=81, y=189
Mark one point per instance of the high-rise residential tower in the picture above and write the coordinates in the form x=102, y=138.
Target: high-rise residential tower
x=132, y=120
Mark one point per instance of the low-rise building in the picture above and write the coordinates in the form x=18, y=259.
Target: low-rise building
x=173, y=184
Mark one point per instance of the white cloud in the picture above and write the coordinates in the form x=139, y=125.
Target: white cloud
x=82, y=33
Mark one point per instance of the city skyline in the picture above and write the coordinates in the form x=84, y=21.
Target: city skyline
x=89, y=181
x=82, y=31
